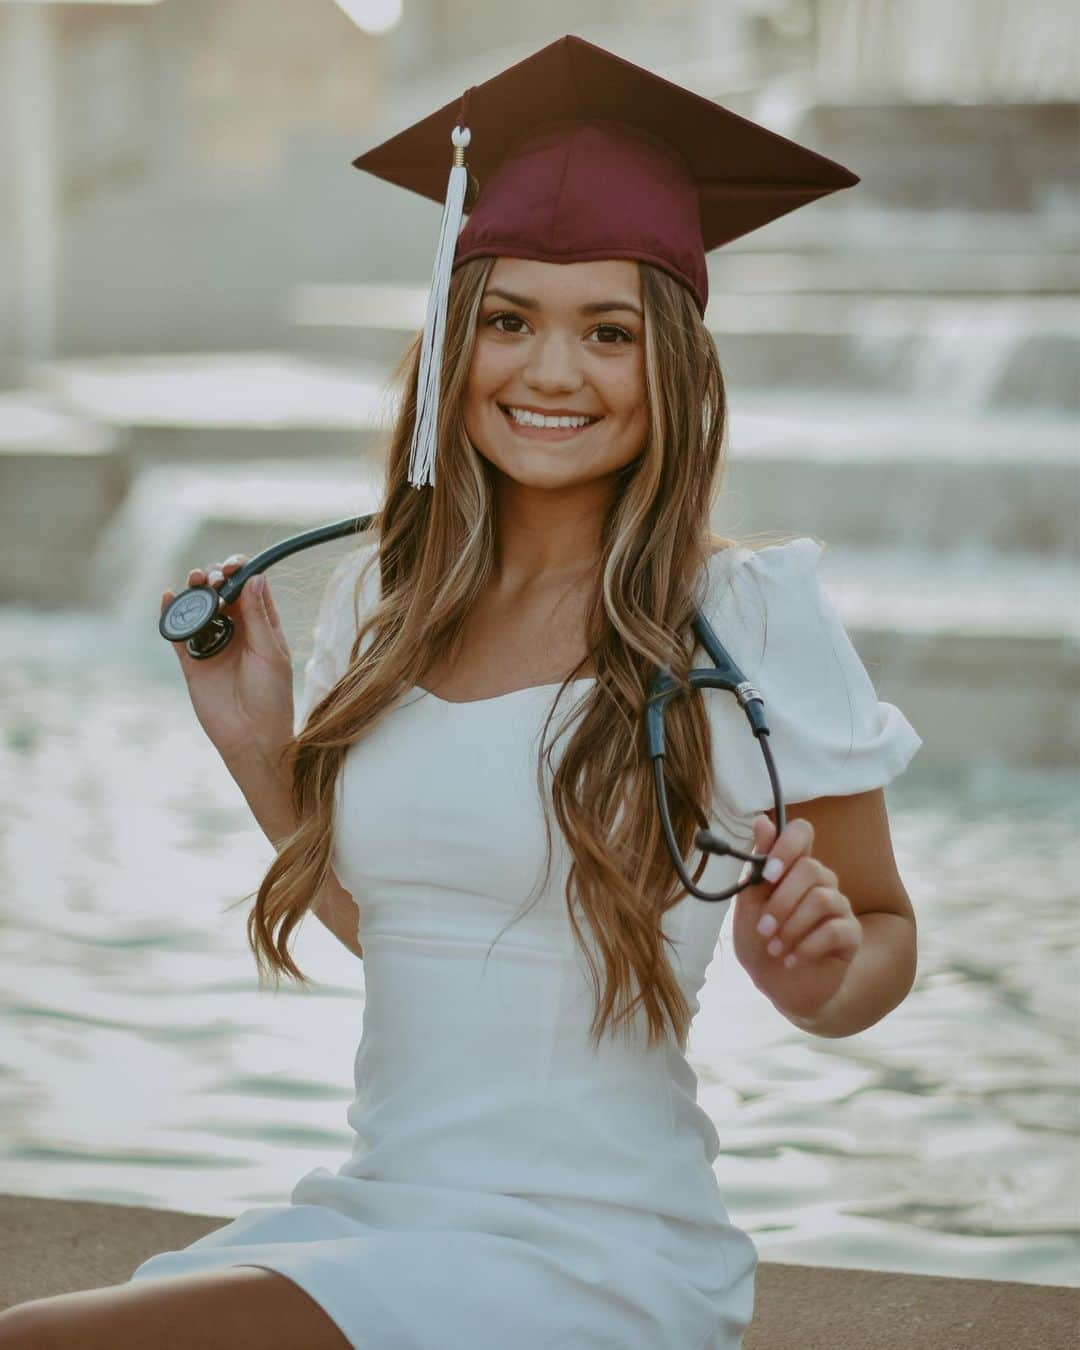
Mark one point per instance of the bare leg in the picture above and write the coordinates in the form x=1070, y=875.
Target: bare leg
x=232, y=1308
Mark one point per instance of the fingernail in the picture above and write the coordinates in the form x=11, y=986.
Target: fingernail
x=767, y=925
x=773, y=869
x=215, y=575
x=789, y=960
x=775, y=947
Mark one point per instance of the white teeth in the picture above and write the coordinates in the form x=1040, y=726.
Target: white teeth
x=531, y=419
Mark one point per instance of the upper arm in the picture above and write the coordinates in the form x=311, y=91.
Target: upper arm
x=834, y=743
x=852, y=838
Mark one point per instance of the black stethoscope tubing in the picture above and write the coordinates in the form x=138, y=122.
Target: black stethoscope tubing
x=196, y=617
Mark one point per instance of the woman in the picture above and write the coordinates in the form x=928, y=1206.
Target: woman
x=466, y=803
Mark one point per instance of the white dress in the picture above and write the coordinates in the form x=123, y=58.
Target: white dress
x=509, y=1186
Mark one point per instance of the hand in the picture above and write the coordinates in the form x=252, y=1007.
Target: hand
x=243, y=695
x=818, y=932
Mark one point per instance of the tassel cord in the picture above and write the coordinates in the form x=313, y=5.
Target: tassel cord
x=426, y=426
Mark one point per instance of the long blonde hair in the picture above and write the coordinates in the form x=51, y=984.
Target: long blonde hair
x=435, y=554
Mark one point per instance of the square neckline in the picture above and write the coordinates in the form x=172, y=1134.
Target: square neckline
x=496, y=698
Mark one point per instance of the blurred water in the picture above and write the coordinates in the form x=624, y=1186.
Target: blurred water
x=139, y=1063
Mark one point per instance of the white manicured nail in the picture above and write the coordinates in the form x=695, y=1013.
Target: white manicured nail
x=773, y=869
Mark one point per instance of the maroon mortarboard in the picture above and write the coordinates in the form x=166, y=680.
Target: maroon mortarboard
x=576, y=155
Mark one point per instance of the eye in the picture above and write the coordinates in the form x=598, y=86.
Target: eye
x=514, y=318
x=613, y=328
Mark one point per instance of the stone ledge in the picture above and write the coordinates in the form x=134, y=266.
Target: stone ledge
x=52, y=1246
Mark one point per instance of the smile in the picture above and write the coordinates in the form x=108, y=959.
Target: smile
x=534, y=433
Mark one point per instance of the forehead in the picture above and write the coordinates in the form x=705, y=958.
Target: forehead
x=568, y=285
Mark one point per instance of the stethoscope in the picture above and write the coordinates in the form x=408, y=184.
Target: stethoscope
x=196, y=618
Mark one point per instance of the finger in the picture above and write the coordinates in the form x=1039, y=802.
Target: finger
x=764, y=832
x=201, y=576
x=216, y=574
x=271, y=607
x=815, y=905
x=273, y=616
x=804, y=875
x=837, y=936
x=795, y=840
x=259, y=629
x=232, y=564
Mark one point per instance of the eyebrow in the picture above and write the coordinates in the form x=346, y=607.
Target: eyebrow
x=593, y=307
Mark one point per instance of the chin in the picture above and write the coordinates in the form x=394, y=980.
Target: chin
x=548, y=476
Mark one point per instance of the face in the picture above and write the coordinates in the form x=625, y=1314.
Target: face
x=559, y=339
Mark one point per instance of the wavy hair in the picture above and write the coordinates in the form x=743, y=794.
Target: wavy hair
x=435, y=552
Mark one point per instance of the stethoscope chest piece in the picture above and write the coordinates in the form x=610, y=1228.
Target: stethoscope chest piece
x=193, y=618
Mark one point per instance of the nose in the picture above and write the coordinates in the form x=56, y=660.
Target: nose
x=553, y=364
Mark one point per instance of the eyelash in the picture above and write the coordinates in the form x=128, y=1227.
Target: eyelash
x=628, y=337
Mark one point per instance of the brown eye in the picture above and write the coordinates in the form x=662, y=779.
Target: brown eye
x=514, y=318
x=613, y=328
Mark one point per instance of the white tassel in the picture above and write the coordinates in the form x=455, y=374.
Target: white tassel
x=426, y=425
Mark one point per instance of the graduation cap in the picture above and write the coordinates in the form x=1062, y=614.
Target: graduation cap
x=575, y=154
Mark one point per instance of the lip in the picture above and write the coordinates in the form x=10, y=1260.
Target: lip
x=545, y=433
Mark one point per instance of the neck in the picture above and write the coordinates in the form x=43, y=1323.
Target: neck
x=547, y=536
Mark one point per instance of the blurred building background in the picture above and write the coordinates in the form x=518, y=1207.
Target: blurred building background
x=178, y=167
x=200, y=303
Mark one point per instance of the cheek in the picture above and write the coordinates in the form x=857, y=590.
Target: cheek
x=489, y=369
x=629, y=401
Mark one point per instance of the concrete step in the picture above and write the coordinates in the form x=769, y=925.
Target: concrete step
x=749, y=267
x=874, y=472
x=62, y=478
x=223, y=405
x=972, y=351
x=980, y=157
x=56, y=1246
x=982, y=653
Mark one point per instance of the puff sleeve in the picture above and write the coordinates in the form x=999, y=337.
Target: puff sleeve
x=340, y=610
x=830, y=734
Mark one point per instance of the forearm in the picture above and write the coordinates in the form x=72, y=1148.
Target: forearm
x=269, y=794
x=878, y=980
